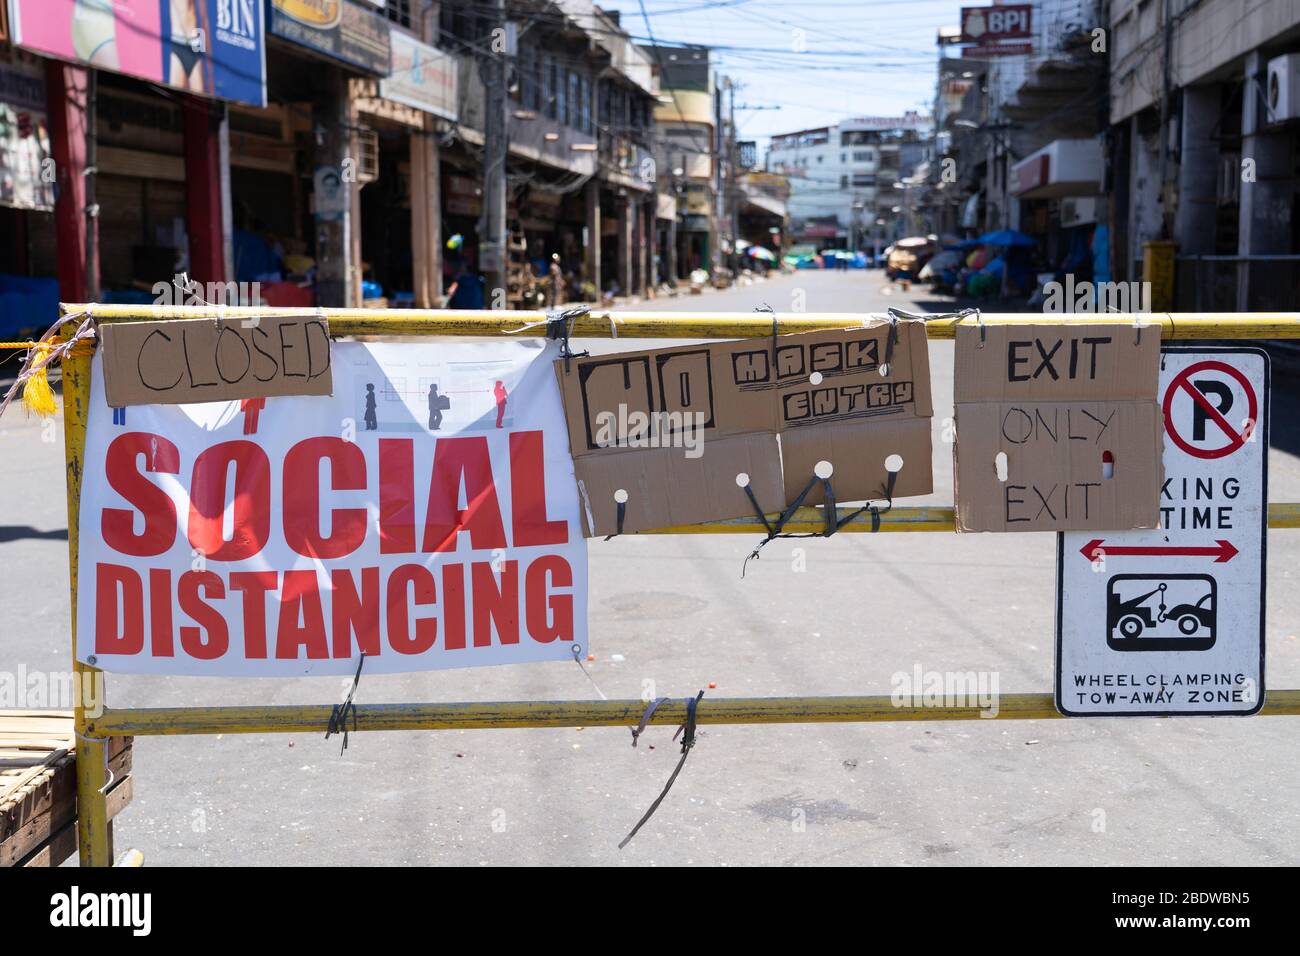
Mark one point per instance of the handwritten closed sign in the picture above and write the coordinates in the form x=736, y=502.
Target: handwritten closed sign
x=175, y=362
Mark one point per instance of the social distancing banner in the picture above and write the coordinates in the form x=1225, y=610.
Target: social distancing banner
x=425, y=514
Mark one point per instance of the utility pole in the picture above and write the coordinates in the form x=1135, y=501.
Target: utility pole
x=733, y=182
x=719, y=195
x=492, y=233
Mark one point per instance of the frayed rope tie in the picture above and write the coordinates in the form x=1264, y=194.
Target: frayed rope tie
x=33, y=382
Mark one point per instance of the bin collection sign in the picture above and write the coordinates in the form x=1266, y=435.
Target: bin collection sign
x=425, y=514
x=210, y=47
x=1171, y=621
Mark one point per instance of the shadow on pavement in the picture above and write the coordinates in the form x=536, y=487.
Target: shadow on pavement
x=20, y=532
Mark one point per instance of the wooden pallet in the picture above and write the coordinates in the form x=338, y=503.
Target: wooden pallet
x=38, y=786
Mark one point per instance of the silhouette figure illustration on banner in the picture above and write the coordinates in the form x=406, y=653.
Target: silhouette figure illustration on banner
x=252, y=408
x=500, y=393
x=437, y=405
x=371, y=418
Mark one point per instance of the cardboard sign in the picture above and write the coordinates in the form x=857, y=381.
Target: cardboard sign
x=675, y=435
x=425, y=515
x=213, y=360
x=1057, y=427
x=1171, y=621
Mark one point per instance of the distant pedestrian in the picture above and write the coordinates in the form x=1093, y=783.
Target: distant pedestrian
x=466, y=291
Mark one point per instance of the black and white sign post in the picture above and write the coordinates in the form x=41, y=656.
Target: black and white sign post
x=1171, y=621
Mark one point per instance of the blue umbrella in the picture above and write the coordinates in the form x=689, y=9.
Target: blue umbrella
x=1006, y=237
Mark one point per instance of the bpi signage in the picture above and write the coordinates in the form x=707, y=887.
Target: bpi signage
x=1171, y=621
x=985, y=24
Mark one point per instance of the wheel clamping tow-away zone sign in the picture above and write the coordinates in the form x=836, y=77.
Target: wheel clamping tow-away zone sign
x=1170, y=621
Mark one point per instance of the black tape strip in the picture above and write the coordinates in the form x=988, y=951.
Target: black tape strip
x=758, y=509
x=829, y=507
x=339, y=713
x=889, y=343
x=622, y=514
x=688, y=741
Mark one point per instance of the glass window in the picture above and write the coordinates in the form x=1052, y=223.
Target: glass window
x=548, y=87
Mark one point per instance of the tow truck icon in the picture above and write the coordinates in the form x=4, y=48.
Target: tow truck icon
x=1161, y=612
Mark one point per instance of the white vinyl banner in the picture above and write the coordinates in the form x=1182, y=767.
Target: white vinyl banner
x=425, y=515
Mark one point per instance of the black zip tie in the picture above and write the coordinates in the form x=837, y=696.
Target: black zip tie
x=559, y=325
x=622, y=514
x=687, y=730
x=338, y=722
x=639, y=729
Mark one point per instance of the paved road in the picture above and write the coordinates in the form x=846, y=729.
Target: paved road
x=1119, y=792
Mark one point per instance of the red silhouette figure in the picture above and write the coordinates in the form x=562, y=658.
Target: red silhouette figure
x=500, y=393
x=251, y=407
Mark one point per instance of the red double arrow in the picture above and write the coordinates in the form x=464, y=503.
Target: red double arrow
x=1221, y=552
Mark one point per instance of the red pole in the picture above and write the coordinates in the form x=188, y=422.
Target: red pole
x=203, y=189
x=67, y=90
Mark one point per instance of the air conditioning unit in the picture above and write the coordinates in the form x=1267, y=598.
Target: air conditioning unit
x=1283, y=93
x=1078, y=210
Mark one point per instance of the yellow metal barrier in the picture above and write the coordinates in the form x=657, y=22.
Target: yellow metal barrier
x=93, y=731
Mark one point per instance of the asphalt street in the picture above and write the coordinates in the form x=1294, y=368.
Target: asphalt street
x=672, y=614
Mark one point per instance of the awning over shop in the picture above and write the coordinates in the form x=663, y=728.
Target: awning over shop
x=1064, y=167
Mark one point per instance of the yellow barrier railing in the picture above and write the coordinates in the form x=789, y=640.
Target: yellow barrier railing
x=93, y=729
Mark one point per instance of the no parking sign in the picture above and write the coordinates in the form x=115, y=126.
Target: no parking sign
x=1171, y=621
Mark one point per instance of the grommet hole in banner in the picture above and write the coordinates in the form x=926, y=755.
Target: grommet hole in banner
x=894, y=464
x=823, y=469
x=1000, y=465
x=815, y=378
x=742, y=480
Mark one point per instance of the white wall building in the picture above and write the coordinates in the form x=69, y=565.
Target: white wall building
x=842, y=175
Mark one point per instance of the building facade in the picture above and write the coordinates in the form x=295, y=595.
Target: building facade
x=842, y=178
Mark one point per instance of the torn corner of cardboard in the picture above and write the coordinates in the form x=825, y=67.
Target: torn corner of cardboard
x=178, y=361
x=674, y=428
x=1058, y=428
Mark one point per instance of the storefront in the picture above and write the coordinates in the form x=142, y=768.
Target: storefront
x=314, y=154
x=139, y=173
x=29, y=287
x=403, y=117
x=1058, y=188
